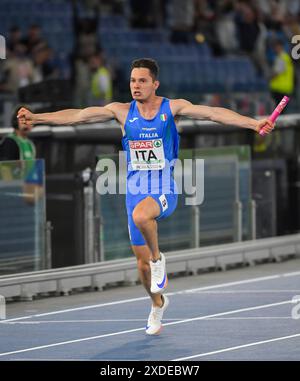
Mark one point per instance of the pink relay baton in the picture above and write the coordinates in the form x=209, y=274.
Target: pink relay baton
x=275, y=114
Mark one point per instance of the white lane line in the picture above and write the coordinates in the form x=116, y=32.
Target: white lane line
x=142, y=329
x=252, y=280
x=293, y=273
x=78, y=309
x=237, y=347
x=231, y=312
x=242, y=291
x=236, y=283
x=82, y=321
x=141, y=320
x=253, y=318
x=71, y=341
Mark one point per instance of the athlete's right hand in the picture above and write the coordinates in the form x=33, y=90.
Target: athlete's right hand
x=26, y=118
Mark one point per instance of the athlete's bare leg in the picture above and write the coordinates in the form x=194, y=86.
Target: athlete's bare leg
x=143, y=256
x=144, y=215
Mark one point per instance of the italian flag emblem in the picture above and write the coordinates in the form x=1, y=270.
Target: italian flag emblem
x=163, y=117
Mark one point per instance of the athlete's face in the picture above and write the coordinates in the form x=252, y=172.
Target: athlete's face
x=142, y=85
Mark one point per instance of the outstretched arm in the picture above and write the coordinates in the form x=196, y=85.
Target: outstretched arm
x=219, y=115
x=69, y=116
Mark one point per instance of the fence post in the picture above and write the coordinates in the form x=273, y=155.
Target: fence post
x=2, y=308
x=196, y=225
x=238, y=223
x=98, y=232
x=88, y=200
x=48, y=259
x=252, y=219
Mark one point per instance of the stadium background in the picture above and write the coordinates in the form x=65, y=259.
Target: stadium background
x=214, y=53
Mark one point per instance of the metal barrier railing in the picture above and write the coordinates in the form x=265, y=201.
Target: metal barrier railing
x=227, y=213
x=123, y=272
x=23, y=228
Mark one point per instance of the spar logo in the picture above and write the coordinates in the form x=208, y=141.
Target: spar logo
x=157, y=143
x=141, y=144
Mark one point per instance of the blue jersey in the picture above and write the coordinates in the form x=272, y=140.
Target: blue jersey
x=151, y=147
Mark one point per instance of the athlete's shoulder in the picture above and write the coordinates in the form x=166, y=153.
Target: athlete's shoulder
x=118, y=106
x=120, y=110
x=176, y=105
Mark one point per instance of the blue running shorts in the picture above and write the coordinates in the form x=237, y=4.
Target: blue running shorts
x=166, y=202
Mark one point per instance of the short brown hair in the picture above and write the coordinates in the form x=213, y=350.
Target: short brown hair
x=147, y=63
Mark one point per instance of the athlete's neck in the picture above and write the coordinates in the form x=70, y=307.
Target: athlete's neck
x=150, y=107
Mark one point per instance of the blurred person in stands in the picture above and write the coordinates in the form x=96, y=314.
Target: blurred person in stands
x=44, y=64
x=101, y=81
x=282, y=79
x=274, y=12
x=181, y=19
x=34, y=37
x=14, y=38
x=225, y=26
x=86, y=45
x=146, y=14
x=17, y=69
x=151, y=142
x=252, y=34
x=17, y=145
x=206, y=19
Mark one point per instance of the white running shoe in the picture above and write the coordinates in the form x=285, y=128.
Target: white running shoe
x=154, y=325
x=159, y=278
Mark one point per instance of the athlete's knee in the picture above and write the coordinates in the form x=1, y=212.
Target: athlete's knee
x=141, y=219
x=143, y=266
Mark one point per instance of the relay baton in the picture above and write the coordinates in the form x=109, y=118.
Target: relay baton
x=275, y=114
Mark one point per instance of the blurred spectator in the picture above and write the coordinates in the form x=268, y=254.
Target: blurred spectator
x=14, y=38
x=291, y=26
x=82, y=82
x=86, y=39
x=205, y=24
x=251, y=34
x=44, y=65
x=181, y=19
x=282, y=73
x=86, y=45
x=101, y=81
x=33, y=38
x=247, y=26
x=225, y=26
x=113, y=6
x=146, y=14
x=275, y=12
x=17, y=145
x=17, y=69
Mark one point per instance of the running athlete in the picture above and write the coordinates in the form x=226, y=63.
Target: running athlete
x=151, y=140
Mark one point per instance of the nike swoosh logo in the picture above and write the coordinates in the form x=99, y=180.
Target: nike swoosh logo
x=161, y=285
x=132, y=120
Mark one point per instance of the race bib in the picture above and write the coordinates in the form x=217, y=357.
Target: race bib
x=147, y=154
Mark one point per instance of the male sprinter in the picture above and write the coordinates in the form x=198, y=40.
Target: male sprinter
x=151, y=141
